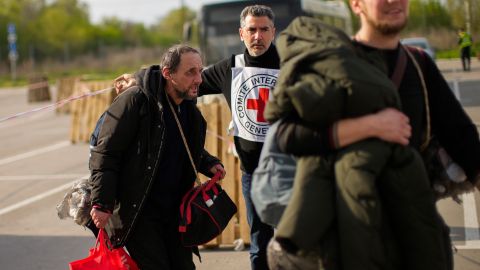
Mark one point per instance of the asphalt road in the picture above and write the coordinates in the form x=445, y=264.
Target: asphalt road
x=37, y=164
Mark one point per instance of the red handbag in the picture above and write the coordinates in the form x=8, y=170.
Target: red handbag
x=101, y=257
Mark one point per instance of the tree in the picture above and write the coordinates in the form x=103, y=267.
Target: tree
x=65, y=28
x=426, y=15
x=169, y=29
x=458, y=12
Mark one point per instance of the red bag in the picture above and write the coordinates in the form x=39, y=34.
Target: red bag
x=101, y=257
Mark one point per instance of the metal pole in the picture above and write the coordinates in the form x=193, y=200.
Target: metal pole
x=13, y=69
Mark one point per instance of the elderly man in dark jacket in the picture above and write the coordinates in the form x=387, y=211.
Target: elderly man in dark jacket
x=140, y=167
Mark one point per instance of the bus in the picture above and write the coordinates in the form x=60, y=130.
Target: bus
x=218, y=23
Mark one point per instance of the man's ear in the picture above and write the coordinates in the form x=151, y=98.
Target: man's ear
x=355, y=6
x=166, y=73
x=240, y=33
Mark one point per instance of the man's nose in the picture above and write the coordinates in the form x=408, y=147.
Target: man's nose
x=258, y=35
x=198, y=78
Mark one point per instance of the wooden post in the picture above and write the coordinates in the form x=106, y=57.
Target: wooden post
x=65, y=89
x=38, y=89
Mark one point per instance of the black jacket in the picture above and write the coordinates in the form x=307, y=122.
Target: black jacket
x=129, y=150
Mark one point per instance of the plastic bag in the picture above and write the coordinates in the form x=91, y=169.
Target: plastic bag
x=101, y=257
x=76, y=203
x=272, y=180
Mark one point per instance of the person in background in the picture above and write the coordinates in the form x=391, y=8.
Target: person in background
x=465, y=41
x=140, y=169
x=257, y=32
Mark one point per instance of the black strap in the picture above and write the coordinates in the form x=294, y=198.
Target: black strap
x=397, y=74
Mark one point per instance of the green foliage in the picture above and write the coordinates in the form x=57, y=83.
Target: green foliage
x=65, y=29
x=428, y=14
x=447, y=54
x=458, y=13
x=61, y=29
x=169, y=30
x=455, y=53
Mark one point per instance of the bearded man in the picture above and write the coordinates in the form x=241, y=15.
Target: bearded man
x=405, y=237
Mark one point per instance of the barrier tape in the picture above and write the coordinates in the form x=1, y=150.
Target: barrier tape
x=87, y=94
x=218, y=136
x=57, y=104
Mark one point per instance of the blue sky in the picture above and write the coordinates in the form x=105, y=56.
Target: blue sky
x=146, y=11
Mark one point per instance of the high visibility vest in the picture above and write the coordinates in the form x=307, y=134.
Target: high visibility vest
x=465, y=40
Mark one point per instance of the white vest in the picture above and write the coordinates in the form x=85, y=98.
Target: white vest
x=251, y=90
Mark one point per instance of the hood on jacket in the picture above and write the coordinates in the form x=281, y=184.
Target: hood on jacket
x=149, y=81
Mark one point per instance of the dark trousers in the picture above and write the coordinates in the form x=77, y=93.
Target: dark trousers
x=260, y=233
x=155, y=244
x=465, y=55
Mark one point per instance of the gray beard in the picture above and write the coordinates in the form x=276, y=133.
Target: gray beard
x=181, y=94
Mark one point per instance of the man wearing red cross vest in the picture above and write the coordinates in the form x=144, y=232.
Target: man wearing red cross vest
x=246, y=80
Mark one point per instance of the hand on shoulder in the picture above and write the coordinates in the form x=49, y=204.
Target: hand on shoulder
x=123, y=82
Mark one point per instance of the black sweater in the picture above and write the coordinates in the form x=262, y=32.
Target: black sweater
x=217, y=79
x=449, y=122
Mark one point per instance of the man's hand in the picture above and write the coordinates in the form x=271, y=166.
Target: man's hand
x=99, y=218
x=218, y=168
x=392, y=126
x=389, y=125
x=123, y=82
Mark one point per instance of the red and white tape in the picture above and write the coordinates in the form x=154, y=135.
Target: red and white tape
x=89, y=94
x=56, y=105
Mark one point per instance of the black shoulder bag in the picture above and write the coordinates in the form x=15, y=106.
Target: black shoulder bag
x=206, y=209
x=446, y=177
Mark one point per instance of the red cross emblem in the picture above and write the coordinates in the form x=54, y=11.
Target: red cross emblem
x=259, y=104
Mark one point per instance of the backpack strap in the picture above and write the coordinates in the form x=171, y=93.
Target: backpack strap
x=400, y=67
x=420, y=72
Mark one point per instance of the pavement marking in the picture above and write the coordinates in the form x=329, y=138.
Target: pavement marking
x=38, y=177
x=35, y=152
x=472, y=230
x=39, y=197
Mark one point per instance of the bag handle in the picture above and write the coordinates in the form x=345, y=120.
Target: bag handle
x=183, y=139
x=185, y=207
x=103, y=241
x=425, y=93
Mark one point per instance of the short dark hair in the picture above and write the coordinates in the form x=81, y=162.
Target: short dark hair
x=256, y=11
x=171, y=58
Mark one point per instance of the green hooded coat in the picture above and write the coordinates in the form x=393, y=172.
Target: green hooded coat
x=324, y=79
